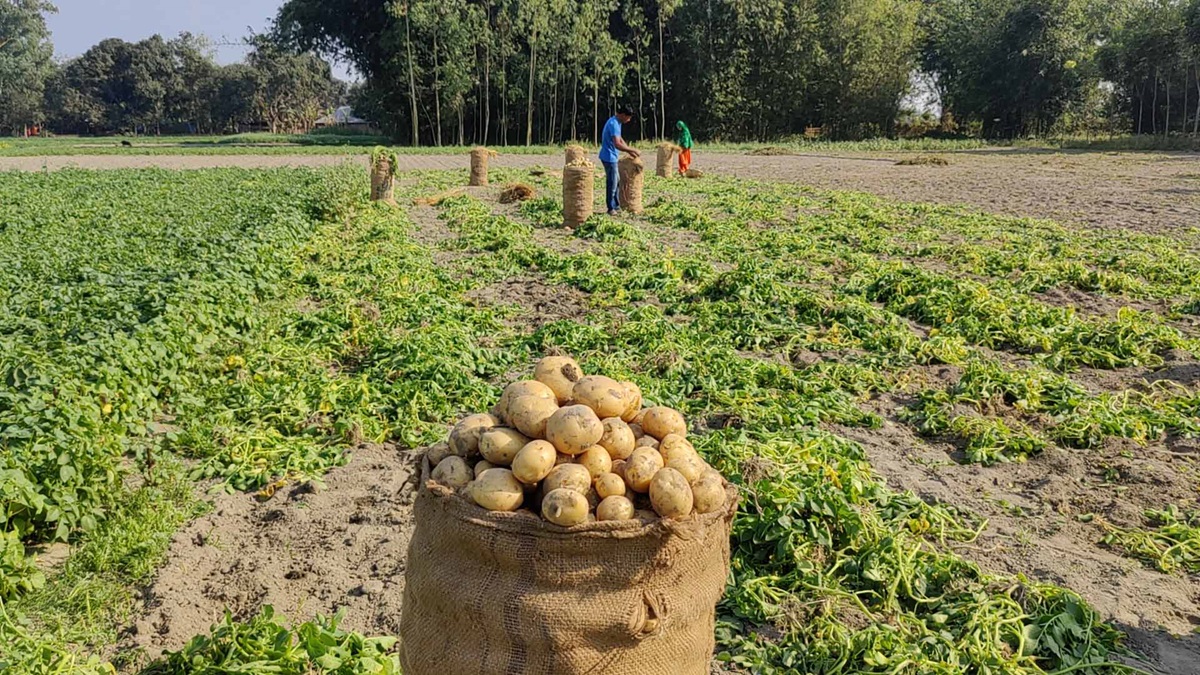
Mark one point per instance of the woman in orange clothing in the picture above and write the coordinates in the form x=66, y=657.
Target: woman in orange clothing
x=683, y=138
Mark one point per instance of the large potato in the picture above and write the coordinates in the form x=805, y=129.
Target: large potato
x=618, y=438
x=609, y=484
x=641, y=467
x=560, y=373
x=437, y=452
x=691, y=466
x=500, y=444
x=661, y=420
x=521, y=388
x=529, y=414
x=603, y=395
x=533, y=462
x=596, y=460
x=452, y=472
x=674, y=445
x=646, y=442
x=568, y=476
x=615, y=507
x=670, y=494
x=464, y=437
x=708, y=492
x=633, y=401
x=498, y=490
x=574, y=429
x=565, y=508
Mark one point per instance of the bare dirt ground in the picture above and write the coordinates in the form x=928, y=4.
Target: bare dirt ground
x=1153, y=192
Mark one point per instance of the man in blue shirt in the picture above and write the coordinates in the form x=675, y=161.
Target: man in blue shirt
x=611, y=145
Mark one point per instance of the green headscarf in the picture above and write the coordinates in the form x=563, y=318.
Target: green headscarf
x=683, y=137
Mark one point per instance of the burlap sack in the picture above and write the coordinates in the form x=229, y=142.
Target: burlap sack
x=382, y=185
x=666, y=156
x=578, y=193
x=479, y=167
x=575, y=154
x=509, y=594
x=633, y=175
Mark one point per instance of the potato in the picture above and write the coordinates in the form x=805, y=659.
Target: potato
x=618, y=438
x=633, y=401
x=708, y=492
x=670, y=494
x=615, y=507
x=464, y=437
x=637, y=430
x=497, y=490
x=646, y=442
x=568, y=476
x=596, y=460
x=660, y=421
x=533, y=462
x=674, y=445
x=691, y=466
x=483, y=465
x=437, y=452
x=521, y=388
x=564, y=507
x=500, y=444
x=604, y=395
x=618, y=468
x=560, y=373
x=452, y=472
x=529, y=414
x=641, y=467
x=641, y=415
x=574, y=429
x=609, y=484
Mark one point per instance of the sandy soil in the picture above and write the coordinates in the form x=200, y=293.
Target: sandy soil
x=1153, y=192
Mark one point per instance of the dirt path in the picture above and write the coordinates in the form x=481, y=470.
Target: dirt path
x=1143, y=191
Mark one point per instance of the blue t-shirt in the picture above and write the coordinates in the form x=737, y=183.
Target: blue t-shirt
x=608, y=145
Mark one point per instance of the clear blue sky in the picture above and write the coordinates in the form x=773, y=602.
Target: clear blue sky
x=80, y=24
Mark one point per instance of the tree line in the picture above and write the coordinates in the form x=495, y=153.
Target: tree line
x=545, y=71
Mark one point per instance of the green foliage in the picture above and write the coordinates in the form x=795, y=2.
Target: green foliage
x=1172, y=544
x=263, y=644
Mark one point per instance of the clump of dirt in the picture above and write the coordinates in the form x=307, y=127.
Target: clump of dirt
x=770, y=151
x=541, y=303
x=923, y=160
x=313, y=549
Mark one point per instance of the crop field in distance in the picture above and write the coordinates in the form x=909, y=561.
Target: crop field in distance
x=965, y=442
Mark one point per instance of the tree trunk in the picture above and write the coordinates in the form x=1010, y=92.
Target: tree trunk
x=1154, y=106
x=1141, y=106
x=412, y=83
x=437, y=94
x=596, y=103
x=1167, y=124
x=641, y=92
x=487, y=92
x=529, y=106
x=575, y=105
x=1196, y=124
x=662, y=79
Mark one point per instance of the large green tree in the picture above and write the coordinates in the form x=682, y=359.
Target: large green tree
x=26, y=61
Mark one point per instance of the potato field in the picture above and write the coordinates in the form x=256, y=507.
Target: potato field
x=963, y=443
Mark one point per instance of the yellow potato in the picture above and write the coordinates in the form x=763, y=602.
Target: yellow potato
x=497, y=490
x=670, y=494
x=437, y=452
x=574, y=429
x=646, y=442
x=641, y=467
x=661, y=420
x=560, y=373
x=615, y=507
x=596, y=460
x=452, y=472
x=568, y=476
x=533, y=462
x=501, y=444
x=483, y=465
x=464, y=437
x=565, y=508
x=603, y=395
x=609, y=484
x=674, y=445
x=633, y=401
x=618, y=467
x=618, y=438
x=529, y=414
x=708, y=492
x=691, y=466
x=518, y=389
x=637, y=430
x=637, y=419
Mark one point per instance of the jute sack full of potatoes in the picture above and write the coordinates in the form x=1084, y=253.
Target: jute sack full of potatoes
x=568, y=530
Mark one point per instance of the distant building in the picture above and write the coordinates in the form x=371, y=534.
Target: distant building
x=344, y=117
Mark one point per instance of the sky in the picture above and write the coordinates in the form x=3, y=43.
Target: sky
x=79, y=24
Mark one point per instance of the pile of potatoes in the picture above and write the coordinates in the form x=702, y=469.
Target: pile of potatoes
x=577, y=449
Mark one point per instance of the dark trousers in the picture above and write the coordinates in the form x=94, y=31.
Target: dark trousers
x=611, y=181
